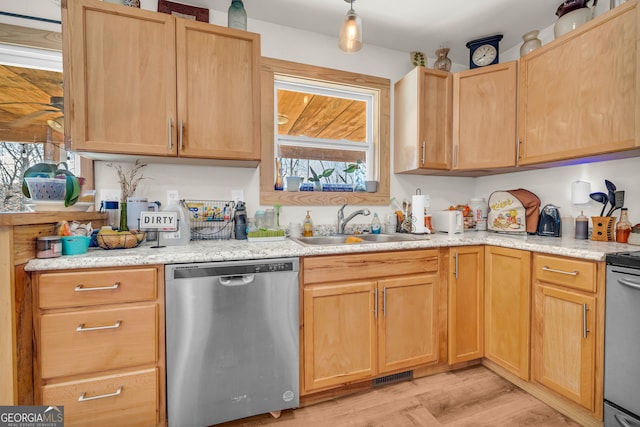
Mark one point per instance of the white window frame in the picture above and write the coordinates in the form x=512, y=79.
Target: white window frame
x=334, y=91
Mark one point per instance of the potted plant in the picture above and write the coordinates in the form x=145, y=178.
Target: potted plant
x=54, y=170
x=358, y=169
x=316, y=178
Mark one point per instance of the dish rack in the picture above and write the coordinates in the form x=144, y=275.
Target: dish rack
x=210, y=219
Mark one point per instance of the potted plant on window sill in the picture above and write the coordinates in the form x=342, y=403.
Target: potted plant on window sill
x=316, y=178
x=73, y=184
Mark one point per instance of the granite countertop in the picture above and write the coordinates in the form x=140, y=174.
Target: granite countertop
x=231, y=250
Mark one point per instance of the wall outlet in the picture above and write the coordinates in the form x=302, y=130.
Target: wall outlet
x=172, y=196
x=237, y=195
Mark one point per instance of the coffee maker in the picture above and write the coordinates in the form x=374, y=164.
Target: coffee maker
x=549, y=222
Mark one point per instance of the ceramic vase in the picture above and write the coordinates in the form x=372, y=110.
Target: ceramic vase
x=123, y=217
x=531, y=42
x=418, y=59
x=442, y=61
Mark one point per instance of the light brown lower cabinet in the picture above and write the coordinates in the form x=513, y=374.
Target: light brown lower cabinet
x=99, y=345
x=368, y=314
x=567, y=330
x=466, y=304
x=507, y=324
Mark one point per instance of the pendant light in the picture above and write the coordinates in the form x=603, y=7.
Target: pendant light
x=351, y=31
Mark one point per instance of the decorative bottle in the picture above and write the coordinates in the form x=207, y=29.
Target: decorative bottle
x=279, y=184
x=359, y=185
x=623, y=227
x=237, y=16
x=531, y=42
x=442, y=61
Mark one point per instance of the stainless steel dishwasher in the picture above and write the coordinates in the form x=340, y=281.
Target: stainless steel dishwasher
x=231, y=340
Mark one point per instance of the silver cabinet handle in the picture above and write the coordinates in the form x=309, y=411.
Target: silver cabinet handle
x=584, y=321
x=81, y=288
x=170, y=134
x=81, y=327
x=456, y=264
x=518, y=149
x=568, y=273
x=629, y=283
x=180, y=135
x=384, y=302
x=424, y=153
x=375, y=303
x=82, y=397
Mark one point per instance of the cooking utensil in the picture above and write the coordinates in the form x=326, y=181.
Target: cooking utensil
x=618, y=201
x=600, y=197
x=612, y=193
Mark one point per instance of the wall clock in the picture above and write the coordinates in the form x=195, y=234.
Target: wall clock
x=484, y=51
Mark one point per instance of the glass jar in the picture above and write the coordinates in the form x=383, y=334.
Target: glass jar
x=442, y=61
x=260, y=220
x=531, y=42
x=623, y=227
x=270, y=219
x=237, y=16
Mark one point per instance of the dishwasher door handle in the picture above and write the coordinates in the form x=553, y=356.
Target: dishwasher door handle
x=237, y=280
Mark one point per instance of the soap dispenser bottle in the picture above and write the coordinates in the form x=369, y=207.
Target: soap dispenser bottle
x=307, y=226
x=376, y=226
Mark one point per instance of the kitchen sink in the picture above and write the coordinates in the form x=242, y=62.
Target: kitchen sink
x=340, y=239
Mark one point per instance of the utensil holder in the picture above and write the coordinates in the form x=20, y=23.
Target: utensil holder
x=602, y=228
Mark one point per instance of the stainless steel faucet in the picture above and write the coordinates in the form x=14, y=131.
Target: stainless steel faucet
x=342, y=221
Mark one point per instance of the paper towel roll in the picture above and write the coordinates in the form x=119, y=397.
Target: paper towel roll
x=580, y=191
x=418, y=203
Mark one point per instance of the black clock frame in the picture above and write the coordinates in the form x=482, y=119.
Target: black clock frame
x=475, y=44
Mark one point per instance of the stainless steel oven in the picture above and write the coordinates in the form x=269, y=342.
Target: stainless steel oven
x=622, y=341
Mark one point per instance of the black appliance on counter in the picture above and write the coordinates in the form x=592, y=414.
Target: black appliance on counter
x=549, y=222
x=622, y=341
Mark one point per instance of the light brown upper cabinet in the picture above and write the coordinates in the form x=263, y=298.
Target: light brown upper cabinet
x=579, y=93
x=484, y=117
x=146, y=83
x=422, y=132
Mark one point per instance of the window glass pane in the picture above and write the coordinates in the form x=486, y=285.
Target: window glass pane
x=324, y=133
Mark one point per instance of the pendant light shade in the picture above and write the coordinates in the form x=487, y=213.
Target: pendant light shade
x=351, y=31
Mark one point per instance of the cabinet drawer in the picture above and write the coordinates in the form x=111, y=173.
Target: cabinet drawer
x=97, y=402
x=573, y=273
x=96, y=340
x=369, y=266
x=96, y=287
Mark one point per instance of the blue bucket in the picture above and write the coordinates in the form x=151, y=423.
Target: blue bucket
x=75, y=245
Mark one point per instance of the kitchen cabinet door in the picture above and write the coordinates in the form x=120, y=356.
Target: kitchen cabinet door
x=484, y=117
x=564, y=343
x=579, y=93
x=339, y=333
x=507, y=308
x=466, y=304
x=422, y=130
x=218, y=72
x=407, y=322
x=119, y=79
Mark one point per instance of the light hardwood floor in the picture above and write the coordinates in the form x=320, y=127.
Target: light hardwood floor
x=470, y=397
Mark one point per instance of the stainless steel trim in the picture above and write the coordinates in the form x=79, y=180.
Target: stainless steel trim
x=180, y=135
x=624, y=421
x=384, y=302
x=170, y=134
x=81, y=327
x=375, y=303
x=584, y=320
x=630, y=283
x=82, y=397
x=518, y=149
x=81, y=288
x=456, y=264
x=424, y=153
x=568, y=273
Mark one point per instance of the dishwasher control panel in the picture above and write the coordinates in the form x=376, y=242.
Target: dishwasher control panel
x=235, y=268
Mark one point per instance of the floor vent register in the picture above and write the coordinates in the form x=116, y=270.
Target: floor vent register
x=392, y=379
